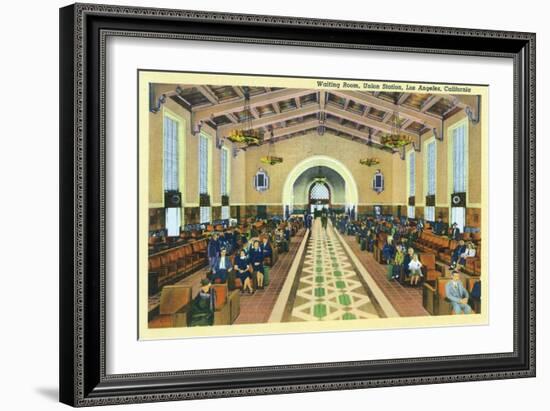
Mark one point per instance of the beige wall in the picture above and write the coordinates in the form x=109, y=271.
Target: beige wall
x=190, y=146
x=246, y=163
x=443, y=174
x=299, y=148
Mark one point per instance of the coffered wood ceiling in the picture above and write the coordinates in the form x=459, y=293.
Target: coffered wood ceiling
x=284, y=113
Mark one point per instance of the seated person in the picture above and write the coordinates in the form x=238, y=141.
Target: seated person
x=202, y=308
x=469, y=252
x=454, y=232
x=389, y=250
x=457, y=252
x=457, y=295
x=242, y=266
x=221, y=268
x=475, y=295
x=439, y=227
x=246, y=247
x=267, y=250
x=256, y=258
x=415, y=270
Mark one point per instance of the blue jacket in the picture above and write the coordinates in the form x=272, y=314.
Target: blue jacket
x=256, y=258
x=213, y=248
x=266, y=249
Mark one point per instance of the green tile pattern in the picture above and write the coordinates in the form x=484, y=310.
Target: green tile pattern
x=329, y=287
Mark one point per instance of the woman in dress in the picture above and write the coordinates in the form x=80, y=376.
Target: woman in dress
x=242, y=266
x=256, y=258
x=415, y=269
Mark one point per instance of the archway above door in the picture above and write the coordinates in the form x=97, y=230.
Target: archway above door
x=351, y=191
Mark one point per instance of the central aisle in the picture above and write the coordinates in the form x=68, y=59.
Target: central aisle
x=329, y=288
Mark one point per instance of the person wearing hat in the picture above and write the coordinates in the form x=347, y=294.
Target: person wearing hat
x=202, y=308
x=221, y=268
x=457, y=295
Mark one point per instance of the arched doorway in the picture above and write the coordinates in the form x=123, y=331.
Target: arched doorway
x=319, y=196
x=348, y=191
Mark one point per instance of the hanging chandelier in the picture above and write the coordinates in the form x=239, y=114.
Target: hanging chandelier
x=271, y=159
x=370, y=161
x=246, y=135
x=396, y=139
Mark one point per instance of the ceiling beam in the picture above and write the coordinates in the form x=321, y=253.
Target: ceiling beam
x=208, y=93
x=430, y=102
x=254, y=112
x=234, y=119
x=380, y=104
x=366, y=121
x=351, y=131
x=322, y=99
x=238, y=91
x=205, y=113
x=225, y=130
x=403, y=97
x=295, y=128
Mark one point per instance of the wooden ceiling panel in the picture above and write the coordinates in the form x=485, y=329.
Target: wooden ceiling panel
x=334, y=99
x=308, y=99
x=194, y=96
x=224, y=93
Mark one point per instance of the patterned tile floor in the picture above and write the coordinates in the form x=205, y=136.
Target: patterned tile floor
x=329, y=288
x=407, y=301
x=256, y=308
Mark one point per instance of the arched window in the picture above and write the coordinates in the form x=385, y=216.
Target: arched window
x=319, y=191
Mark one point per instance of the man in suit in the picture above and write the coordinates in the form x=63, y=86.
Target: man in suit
x=222, y=267
x=454, y=232
x=439, y=228
x=457, y=295
x=213, y=250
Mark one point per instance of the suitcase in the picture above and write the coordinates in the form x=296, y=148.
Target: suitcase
x=266, y=275
x=363, y=244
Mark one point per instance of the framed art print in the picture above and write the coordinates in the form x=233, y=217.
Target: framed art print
x=260, y=204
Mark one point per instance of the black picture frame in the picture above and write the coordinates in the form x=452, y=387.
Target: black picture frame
x=83, y=30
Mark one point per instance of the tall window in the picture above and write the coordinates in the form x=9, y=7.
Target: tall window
x=204, y=144
x=412, y=182
x=459, y=159
x=171, y=172
x=460, y=169
x=171, y=164
x=429, y=211
x=224, y=180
